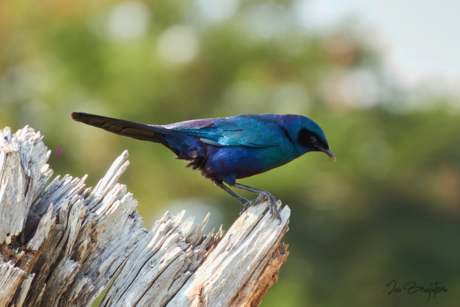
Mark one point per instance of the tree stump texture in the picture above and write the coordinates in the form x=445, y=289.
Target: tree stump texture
x=61, y=244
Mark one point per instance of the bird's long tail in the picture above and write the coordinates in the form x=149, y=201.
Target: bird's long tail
x=134, y=130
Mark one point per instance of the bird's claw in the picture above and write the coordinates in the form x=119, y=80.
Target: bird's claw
x=272, y=205
x=274, y=209
x=251, y=203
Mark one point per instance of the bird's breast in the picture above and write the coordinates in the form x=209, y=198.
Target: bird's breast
x=230, y=163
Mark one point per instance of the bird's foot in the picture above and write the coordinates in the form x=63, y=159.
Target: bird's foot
x=251, y=203
x=272, y=204
x=274, y=208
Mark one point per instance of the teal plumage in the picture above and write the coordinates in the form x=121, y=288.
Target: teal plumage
x=227, y=149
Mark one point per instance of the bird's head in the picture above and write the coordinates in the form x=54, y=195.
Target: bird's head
x=307, y=135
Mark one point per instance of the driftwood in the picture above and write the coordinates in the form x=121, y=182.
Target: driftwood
x=62, y=244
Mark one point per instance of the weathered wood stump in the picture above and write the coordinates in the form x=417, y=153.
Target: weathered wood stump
x=62, y=244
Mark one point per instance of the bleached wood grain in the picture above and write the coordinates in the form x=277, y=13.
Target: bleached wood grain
x=61, y=245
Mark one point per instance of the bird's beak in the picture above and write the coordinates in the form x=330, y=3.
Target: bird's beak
x=329, y=153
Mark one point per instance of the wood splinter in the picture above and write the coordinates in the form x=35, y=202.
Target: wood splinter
x=61, y=244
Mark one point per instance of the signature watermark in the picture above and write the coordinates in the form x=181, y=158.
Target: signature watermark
x=411, y=288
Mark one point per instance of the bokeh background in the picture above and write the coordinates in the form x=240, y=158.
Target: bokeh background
x=380, y=77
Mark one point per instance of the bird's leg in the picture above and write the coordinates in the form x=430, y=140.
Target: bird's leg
x=221, y=185
x=262, y=195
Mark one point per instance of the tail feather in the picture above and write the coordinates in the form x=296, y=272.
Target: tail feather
x=122, y=127
x=185, y=147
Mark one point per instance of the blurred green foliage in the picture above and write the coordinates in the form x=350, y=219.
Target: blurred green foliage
x=388, y=209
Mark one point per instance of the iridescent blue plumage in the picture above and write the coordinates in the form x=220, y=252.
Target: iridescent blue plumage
x=227, y=149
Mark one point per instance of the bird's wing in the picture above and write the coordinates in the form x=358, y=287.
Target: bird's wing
x=250, y=131
x=200, y=128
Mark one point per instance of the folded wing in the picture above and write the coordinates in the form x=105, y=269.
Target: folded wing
x=244, y=130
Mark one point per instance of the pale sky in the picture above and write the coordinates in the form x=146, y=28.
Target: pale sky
x=421, y=38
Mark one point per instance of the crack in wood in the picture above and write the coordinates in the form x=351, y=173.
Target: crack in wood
x=63, y=243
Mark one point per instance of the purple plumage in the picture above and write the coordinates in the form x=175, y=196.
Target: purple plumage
x=227, y=149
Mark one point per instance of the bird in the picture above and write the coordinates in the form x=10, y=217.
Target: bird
x=228, y=148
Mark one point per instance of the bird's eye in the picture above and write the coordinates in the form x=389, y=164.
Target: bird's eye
x=313, y=139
